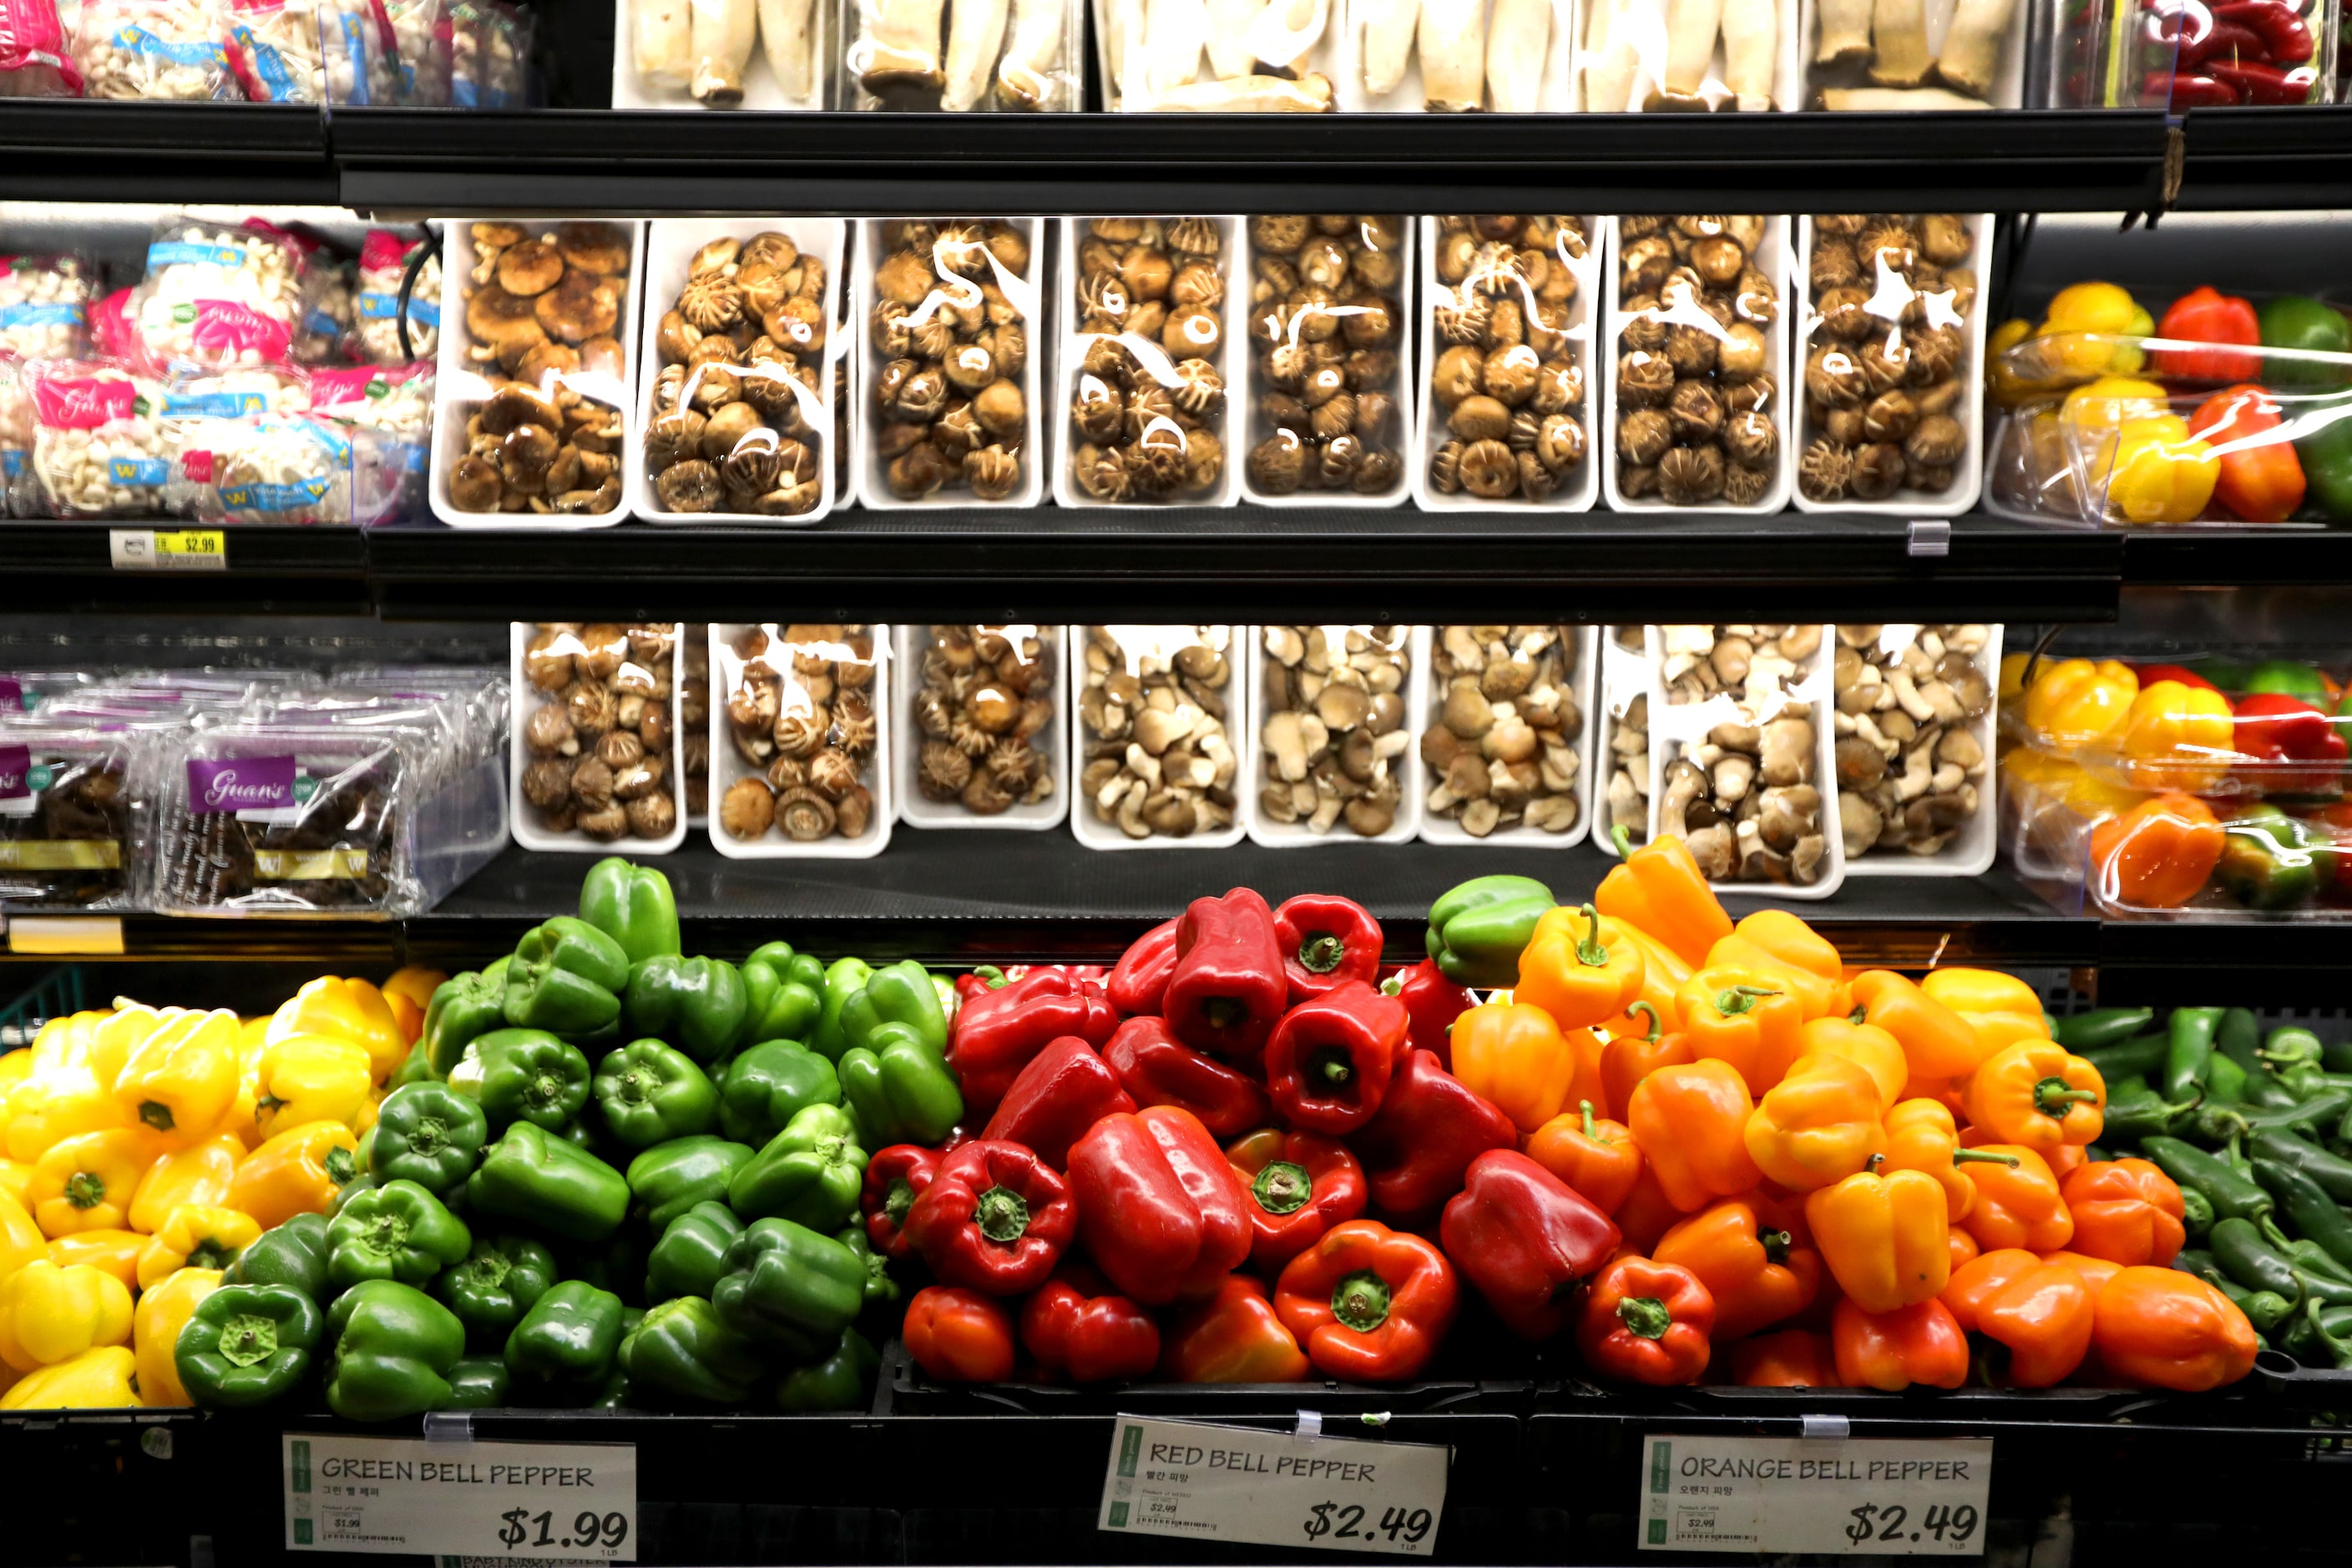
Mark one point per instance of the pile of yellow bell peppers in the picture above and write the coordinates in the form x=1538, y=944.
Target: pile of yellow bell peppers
x=142, y=1148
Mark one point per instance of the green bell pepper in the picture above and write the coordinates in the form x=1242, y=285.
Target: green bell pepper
x=2326, y=456
x=352, y=1189
x=789, y=1286
x=2288, y=678
x=696, y=1004
x=523, y=1075
x=2293, y=321
x=427, y=1133
x=246, y=1345
x=293, y=1253
x=616, y=1263
x=902, y=1091
x=478, y=1383
x=682, y=1352
x=568, y=1338
x=897, y=994
x=633, y=906
x=495, y=1283
x=843, y=1380
x=1477, y=931
x=534, y=1176
x=463, y=1008
x=783, y=994
x=668, y=1179
x=2270, y=860
x=651, y=1094
x=400, y=1231
x=770, y=1084
x=811, y=1172
x=395, y=1347
x=566, y=978
x=691, y=1256
x=879, y=1287
x=414, y=1068
x=843, y=978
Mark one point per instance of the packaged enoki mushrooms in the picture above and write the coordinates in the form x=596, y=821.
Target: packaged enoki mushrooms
x=599, y=732
x=1511, y=365
x=216, y=297
x=45, y=306
x=983, y=703
x=1148, y=402
x=800, y=713
x=173, y=49
x=99, y=445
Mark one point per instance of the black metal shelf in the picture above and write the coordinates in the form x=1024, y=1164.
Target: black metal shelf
x=100, y=149
x=68, y=568
x=2244, y=160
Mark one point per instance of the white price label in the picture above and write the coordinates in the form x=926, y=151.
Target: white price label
x=1273, y=1489
x=167, y=549
x=1828, y=1497
x=531, y=1500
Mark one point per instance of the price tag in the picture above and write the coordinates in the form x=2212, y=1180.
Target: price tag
x=529, y=1501
x=168, y=549
x=1274, y=1488
x=1830, y=1498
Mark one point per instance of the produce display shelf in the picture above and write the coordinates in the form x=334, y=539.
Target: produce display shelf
x=71, y=566
x=2243, y=161
x=102, y=150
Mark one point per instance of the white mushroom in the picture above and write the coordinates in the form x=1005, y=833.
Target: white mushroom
x=1898, y=32
x=663, y=44
x=901, y=44
x=1895, y=100
x=1907, y=695
x=1750, y=31
x=1281, y=36
x=1519, y=36
x=1174, y=32
x=724, y=32
x=1230, y=53
x=1125, y=45
x=1452, y=53
x=1027, y=78
x=1620, y=36
x=975, y=34
x=1691, y=29
x=1387, y=41
x=1971, y=48
x=784, y=38
x=1845, y=35
x=1918, y=773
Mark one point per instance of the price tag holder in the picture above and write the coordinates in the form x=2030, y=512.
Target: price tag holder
x=167, y=549
x=1273, y=1489
x=1833, y=1498
x=575, y=1501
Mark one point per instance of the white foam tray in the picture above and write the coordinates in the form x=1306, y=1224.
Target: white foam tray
x=2009, y=63
x=914, y=807
x=1971, y=850
x=727, y=766
x=1411, y=775
x=1436, y=829
x=1240, y=701
x=1623, y=674
x=523, y=699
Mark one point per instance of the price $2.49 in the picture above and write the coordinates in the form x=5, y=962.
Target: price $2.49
x=1892, y=1521
x=591, y=1528
x=1345, y=1521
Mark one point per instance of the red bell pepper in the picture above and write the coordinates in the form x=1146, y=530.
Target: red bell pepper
x=1294, y=1187
x=894, y=1178
x=995, y=1219
x=1065, y=1089
x=1646, y=1323
x=1234, y=1336
x=1140, y=978
x=982, y=980
x=1228, y=990
x=1329, y=1061
x=996, y=1033
x=1325, y=941
x=960, y=1336
x=1526, y=1239
x=1075, y=1324
x=2260, y=479
x=1371, y=1304
x=2149, y=674
x=1922, y=1344
x=1432, y=1002
x=1157, y=1204
x=1429, y=1129
x=2206, y=315
x=1158, y=1069
x=2285, y=37
x=2282, y=731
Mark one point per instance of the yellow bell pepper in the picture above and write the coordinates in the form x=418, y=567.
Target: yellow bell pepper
x=20, y=1238
x=311, y=1077
x=113, y=1037
x=2159, y=472
x=1999, y=1008
x=197, y=1237
x=1817, y=1125
x=15, y=1178
x=200, y=1174
x=350, y=1010
x=1865, y=1045
x=1885, y=1237
x=49, y=1314
x=114, y=1251
x=300, y=1171
x=15, y=1067
x=2178, y=736
x=1817, y=995
x=1579, y=967
x=94, y=1380
x=2084, y=319
x=2073, y=702
x=156, y=1326
x=88, y=1183
x=62, y=1095
x=2001, y=380
x=2104, y=404
x=1516, y=1056
x=180, y=1079
x=408, y=993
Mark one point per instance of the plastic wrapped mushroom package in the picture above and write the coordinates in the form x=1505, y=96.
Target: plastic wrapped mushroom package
x=99, y=447
x=305, y=51
x=1220, y=56
x=168, y=49
x=962, y=56
x=1145, y=377
x=1914, y=745
x=1507, y=328
x=1506, y=745
x=66, y=823
x=1697, y=328
x=1915, y=54
x=979, y=742
x=1157, y=715
x=723, y=54
x=1622, y=738
x=1513, y=57
x=45, y=306
x=39, y=60
x=595, y=751
x=216, y=296
x=1331, y=414
x=694, y=721
x=384, y=262
x=800, y=741
x=299, y=468
x=1337, y=710
x=1682, y=55
x=533, y=420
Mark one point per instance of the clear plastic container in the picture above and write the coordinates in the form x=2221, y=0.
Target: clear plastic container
x=1121, y=759
x=963, y=56
x=300, y=469
x=978, y=717
x=2167, y=54
x=1644, y=54
x=1339, y=710
x=1915, y=747
x=396, y=404
x=1513, y=57
x=800, y=741
x=1914, y=54
x=422, y=37
x=154, y=49
x=45, y=306
x=384, y=259
x=1485, y=684
x=594, y=748
x=66, y=816
x=1326, y=320
x=215, y=296
x=1219, y=56
x=724, y=54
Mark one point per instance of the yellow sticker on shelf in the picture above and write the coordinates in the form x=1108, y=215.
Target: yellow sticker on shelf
x=168, y=549
x=61, y=854
x=61, y=934
x=310, y=866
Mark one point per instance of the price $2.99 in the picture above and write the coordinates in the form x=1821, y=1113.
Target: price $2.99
x=1345, y=1521
x=590, y=1529
x=1962, y=1522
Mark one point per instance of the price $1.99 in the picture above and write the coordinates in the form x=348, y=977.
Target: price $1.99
x=1890, y=1522
x=1345, y=1521
x=522, y=1527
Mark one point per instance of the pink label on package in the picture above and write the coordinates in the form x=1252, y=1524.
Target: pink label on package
x=332, y=388
x=198, y=466
x=109, y=325
x=224, y=327
x=385, y=251
x=31, y=34
x=239, y=784
x=82, y=405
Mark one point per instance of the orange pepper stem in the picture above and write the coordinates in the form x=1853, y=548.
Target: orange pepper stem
x=1775, y=1245
x=1282, y=1187
x=1590, y=952
x=2053, y=1095
x=1964, y=1156
x=1859, y=1016
x=1322, y=954
x=1657, y=1024
x=1584, y=1108
x=1740, y=999
x=1646, y=1316
x=1362, y=1301
x=1878, y=1159
x=155, y=1114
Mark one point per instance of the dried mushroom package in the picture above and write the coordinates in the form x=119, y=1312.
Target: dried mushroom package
x=1158, y=711
x=1915, y=748
x=1696, y=322
x=1219, y=56
x=963, y=56
x=1329, y=410
x=950, y=308
x=723, y=54
x=596, y=714
x=1741, y=751
x=291, y=818
x=1665, y=56
x=1622, y=742
x=1145, y=377
x=66, y=826
x=1515, y=57
x=1506, y=326
x=1892, y=338
x=799, y=733
x=1506, y=745
x=734, y=375
x=1336, y=713
x=1914, y=54
x=980, y=745
x=535, y=382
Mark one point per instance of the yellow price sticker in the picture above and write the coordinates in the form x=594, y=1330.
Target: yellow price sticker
x=191, y=542
x=168, y=549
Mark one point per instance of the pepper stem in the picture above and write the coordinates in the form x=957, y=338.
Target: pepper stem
x=1657, y=1024
x=1002, y=1213
x=1859, y=1016
x=386, y=1233
x=342, y=1165
x=2053, y=1095
x=1223, y=1011
x=1623, y=836
x=1590, y=951
x=1775, y=1245
x=1322, y=952
x=1646, y=1317
x=636, y=1087
x=1282, y=1187
x=1360, y=1302
x=211, y=1253
x=1875, y=1160
x=1332, y=1067
x=1983, y=1157
x=1734, y=1001
x=900, y=1199
x=156, y=1114
x=85, y=1191
x=248, y=1340
x=429, y=1136
x=994, y=975
x=1584, y=1109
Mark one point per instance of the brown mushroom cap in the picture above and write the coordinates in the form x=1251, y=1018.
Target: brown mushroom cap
x=532, y=268
x=510, y=407
x=475, y=485
x=527, y=454
x=582, y=305
x=601, y=355
x=599, y=247
x=494, y=316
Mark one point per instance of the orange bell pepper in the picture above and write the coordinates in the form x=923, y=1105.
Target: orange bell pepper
x=1580, y=968
x=1757, y=1272
x=2020, y=1205
x=1691, y=1122
x=88, y=1183
x=1660, y=889
x=2158, y=855
x=1921, y=1136
x=1789, y=1359
x=1818, y=995
x=1984, y=1277
x=2168, y=1328
x=2038, y=1094
x=195, y=1238
x=1597, y=1158
x=300, y=1171
x=2095, y=1271
x=1647, y=1214
x=114, y=1252
x=2125, y=1211
x=155, y=1325
x=1627, y=1060
x=2074, y=701
x=1963, y=1247
x=1937, y=1042
x=1746, y=1017
x=1792, y=942
x=1817, y=1126
x=1884, y=1237
x=1646, y=1321
x=200, y=1174
x=1867, y=1046
x=2262, y=479
x=1515, y=1056
x=1662, y=974
x=2040, y=1313
x=181, y=1077
x=408, y=994
x=344, y=1009
x=2177, y=736
x=1895, y=1349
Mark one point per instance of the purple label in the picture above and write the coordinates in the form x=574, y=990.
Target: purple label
x=16, y=761
x=241, y=783
x=12, y=692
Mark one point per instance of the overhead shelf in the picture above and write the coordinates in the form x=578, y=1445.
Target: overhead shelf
x=2244, y=160
x=100, y=149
